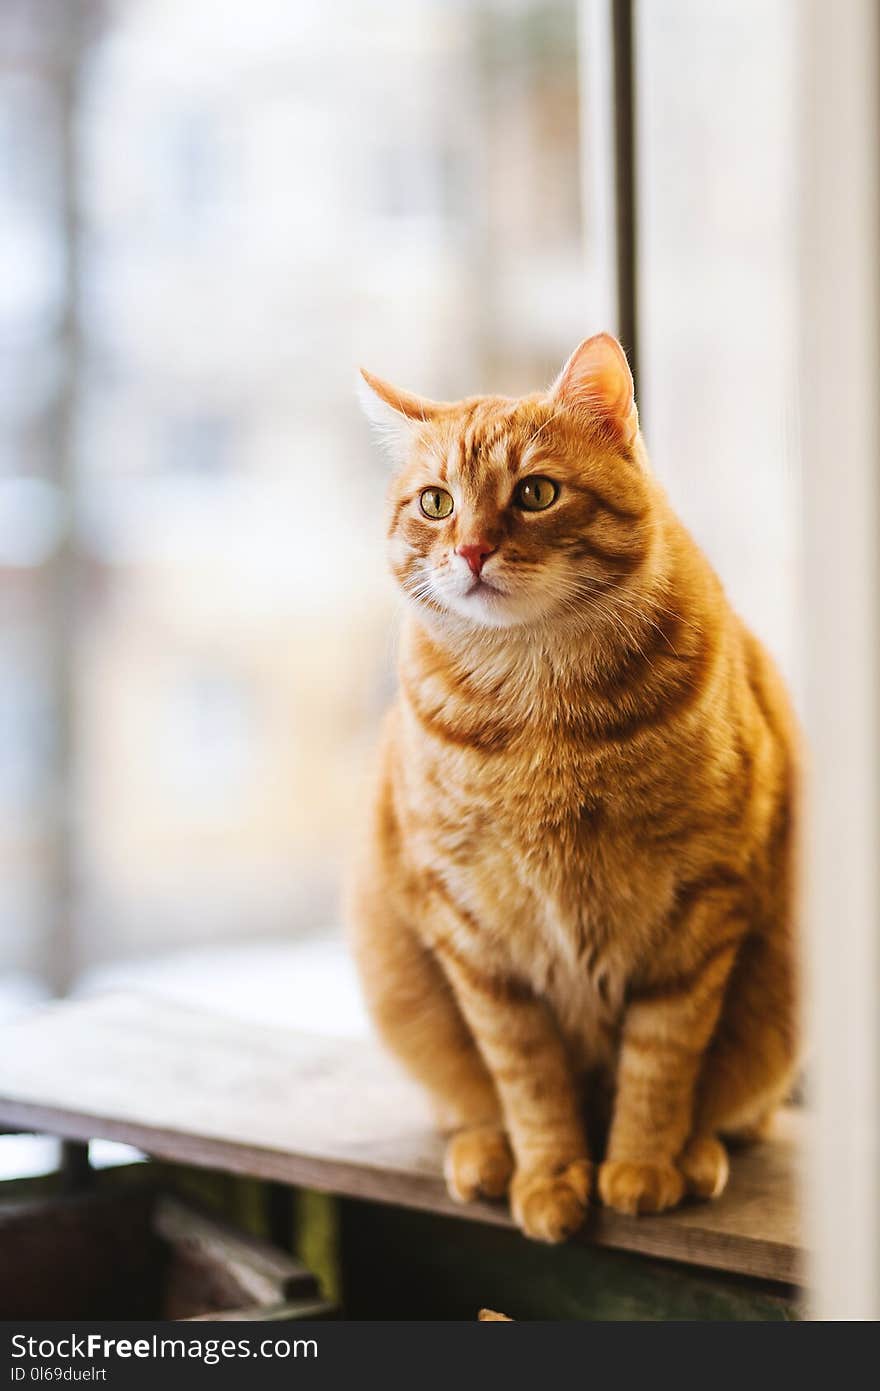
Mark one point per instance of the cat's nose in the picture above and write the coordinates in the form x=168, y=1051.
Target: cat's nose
x=476, y=553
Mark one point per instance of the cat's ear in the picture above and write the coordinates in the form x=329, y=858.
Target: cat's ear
x=597, y=380
x=394, y=413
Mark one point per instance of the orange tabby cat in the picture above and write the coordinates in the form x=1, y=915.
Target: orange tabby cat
x=578, y=885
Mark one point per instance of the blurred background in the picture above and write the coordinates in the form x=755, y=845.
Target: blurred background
x=210, y=213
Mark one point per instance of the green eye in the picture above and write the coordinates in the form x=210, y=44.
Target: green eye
x=534, y=494
x=436, y=503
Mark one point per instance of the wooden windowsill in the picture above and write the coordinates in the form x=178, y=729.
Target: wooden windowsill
x=333, y=1115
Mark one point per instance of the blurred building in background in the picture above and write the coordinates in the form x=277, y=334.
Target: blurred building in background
x=210, y=213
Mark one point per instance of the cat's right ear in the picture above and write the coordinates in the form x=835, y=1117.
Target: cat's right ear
x=597, y=381
x=394, y=413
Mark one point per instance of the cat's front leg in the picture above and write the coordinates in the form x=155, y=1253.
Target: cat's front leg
x=667, y=1027
x=523, y=1049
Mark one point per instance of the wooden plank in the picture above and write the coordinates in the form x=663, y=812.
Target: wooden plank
x=262, y=1274
x=293, y=1310
x=333, y=1115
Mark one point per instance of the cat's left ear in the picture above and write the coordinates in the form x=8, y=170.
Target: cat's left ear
x=394, y=412
x=597, y=381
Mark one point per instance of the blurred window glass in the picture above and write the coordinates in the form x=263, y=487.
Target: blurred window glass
x=210, y=213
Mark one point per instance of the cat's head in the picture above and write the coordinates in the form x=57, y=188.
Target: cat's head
x=512, y=512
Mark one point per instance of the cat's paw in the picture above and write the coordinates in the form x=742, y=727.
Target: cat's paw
x=551, y=1206
x=638, y=1187
x=478, y=1164
x=705, y=1167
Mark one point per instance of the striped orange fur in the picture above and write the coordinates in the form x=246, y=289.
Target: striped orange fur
x=574, y=911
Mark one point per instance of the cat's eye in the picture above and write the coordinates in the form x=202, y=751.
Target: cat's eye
x=436, y=503
x=536, y=493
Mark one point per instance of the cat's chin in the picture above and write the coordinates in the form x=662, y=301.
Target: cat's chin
x=490, y=608
x=483, y=606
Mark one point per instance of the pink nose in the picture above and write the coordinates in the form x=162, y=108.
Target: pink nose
x=476, y=554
